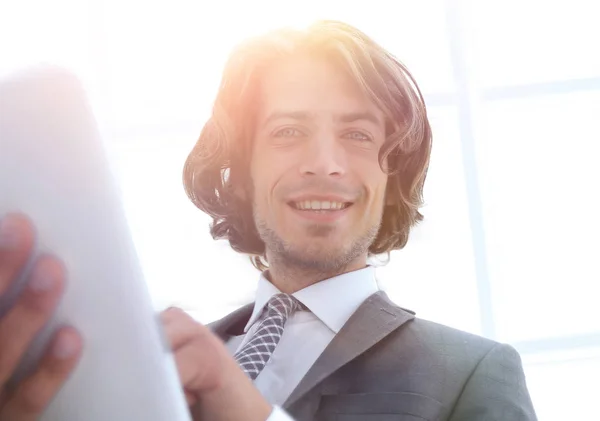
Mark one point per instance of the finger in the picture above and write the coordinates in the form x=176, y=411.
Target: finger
x=170, y=314
x=34, y=394
x=173, y=314
x=179, y=327
x=16, y=242
x=31, y=312
x=199, y=364
x=190, y=398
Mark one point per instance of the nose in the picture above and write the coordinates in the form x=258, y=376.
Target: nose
x=324, y=157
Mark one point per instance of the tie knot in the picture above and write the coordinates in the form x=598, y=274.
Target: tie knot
x=257, y=351
x=283, y=304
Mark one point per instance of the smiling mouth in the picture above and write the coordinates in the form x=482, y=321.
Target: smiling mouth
x=319, y=205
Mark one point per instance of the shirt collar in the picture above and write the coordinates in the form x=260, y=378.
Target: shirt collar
x=323, y=298
x=264, y=292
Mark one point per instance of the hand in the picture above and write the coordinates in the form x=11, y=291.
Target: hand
x=215, y=387
x=30, y=313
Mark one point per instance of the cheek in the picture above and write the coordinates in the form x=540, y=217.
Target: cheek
x=257, y=176
x=263, y=181
x=269, y=172
x=378, y=195
x=375, y=179
x=379, y=199
x=259, y=196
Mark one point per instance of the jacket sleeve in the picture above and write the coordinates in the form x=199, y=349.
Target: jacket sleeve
x=496, y=390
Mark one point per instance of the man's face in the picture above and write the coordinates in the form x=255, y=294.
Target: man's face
x=318, y=188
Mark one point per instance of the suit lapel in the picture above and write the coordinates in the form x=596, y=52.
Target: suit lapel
x=232, y=324
x=376, y=318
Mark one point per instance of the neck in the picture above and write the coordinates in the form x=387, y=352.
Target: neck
x=290, y=278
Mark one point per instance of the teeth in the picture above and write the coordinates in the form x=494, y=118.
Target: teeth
x=319, y=205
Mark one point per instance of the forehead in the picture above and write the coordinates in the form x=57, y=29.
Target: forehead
x=309, y=84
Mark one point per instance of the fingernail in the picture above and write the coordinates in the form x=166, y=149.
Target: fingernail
x=43, y=280
x=65, y=347
x=9, y=233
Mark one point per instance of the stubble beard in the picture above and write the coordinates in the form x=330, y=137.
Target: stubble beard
x=322, y=260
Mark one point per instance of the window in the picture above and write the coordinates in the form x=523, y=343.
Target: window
x=510, y=242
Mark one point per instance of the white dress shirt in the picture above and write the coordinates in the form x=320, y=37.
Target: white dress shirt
x=306, y=333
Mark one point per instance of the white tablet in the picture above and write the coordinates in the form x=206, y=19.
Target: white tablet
x=53, y=168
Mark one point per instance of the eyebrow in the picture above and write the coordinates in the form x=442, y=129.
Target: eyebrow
x=305, y=116
x=288, y=115
x=352, y=117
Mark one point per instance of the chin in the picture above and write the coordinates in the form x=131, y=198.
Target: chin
x=320, y=254
x=316, y=246
x=316, y=262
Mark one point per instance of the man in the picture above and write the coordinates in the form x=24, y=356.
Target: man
x=313, y=160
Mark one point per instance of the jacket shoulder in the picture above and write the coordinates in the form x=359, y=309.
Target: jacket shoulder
x=426, y=340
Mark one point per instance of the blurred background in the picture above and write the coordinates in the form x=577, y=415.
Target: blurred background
x=510, y=238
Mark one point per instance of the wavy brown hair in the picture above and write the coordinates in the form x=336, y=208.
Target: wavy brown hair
x=216, y=174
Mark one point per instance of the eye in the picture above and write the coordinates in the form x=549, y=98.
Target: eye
x=288, y=132
x=360, y=136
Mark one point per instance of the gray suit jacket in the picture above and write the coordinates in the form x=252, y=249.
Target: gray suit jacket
x=385, y=364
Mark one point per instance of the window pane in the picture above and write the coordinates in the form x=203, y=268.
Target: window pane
x=439, y=254
x=565, y=387
x=539, y=184
x=521, y=42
